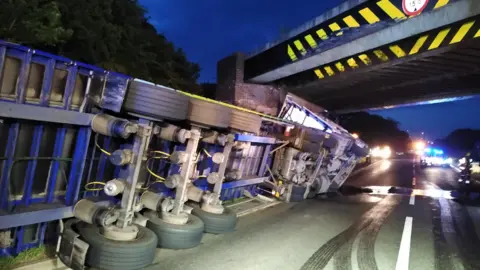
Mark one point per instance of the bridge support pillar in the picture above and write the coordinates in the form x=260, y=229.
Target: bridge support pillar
x=231, y=88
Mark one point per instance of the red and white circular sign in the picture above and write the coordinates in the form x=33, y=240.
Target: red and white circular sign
x=414, y=7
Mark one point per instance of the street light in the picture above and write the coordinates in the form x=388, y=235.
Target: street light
x=355, y=135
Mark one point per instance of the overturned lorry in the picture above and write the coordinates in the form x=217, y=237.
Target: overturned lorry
x=115, y=167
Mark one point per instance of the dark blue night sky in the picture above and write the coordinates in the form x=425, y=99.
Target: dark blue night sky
x=209, y=30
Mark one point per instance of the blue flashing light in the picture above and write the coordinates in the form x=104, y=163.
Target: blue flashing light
x=428, y=150
x=438, y=152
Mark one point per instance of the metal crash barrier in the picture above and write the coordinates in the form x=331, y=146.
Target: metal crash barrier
x=124, y=160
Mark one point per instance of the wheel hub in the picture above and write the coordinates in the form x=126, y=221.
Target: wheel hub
x=213, y=208
x=128, y=233
x=179, y=219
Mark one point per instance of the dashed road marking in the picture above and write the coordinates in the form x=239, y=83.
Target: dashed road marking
x=404, y=252
x=412, y=199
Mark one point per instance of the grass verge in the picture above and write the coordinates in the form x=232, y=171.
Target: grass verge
x=25, y=257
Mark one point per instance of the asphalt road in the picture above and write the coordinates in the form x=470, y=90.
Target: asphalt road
x=426, y=230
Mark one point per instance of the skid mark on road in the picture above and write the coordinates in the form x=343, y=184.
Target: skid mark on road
x=455, y=238
x=366, y=246
x=467, y=238
x=340, y=247
x=343, y=258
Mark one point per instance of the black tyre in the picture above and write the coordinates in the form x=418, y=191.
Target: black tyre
x=174, y=236
x=155, y=101
x=209, y=114
x=108, y=254
x=312, y=193
x=359, y=151
x=217, y=223
x=245, y=121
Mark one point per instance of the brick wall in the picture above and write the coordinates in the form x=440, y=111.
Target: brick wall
x=231, y=88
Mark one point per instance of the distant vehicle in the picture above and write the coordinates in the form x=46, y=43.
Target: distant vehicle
x=434, y=158
x=381, y=152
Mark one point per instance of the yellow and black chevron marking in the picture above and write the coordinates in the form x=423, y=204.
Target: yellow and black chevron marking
x=442, y=37
x=383, y=9
x=294, y=49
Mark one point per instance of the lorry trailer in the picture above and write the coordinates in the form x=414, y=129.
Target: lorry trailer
x=110, y=167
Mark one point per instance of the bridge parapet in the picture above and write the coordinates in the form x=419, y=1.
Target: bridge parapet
x=350, y=20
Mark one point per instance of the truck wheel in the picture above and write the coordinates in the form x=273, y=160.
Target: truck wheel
x=217, y=223
x=245, y=121
x=155, y=101
x=108, y=254
x=173, y=236
x=209, y=114
x=313, y=191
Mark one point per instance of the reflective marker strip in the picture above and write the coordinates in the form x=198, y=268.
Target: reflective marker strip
x=291, y=53
x=462, y=32
x=477, y=34
x=351, y=22
x=418, y=45
x=300, y=47
x=322, y=34
x=369, y=16
x=403, y=258
x=365, y=59
x=391, y=9
x=439, y=38
x=329, y=71
x=311, y=41
x=352, y=63
x=441, y=3
x=397, y=51
x=335, y=27
x=381, y=55
x=340, y=67
x=319, y=73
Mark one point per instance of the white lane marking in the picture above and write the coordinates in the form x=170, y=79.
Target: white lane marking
x=404, y=252
x=412, y=199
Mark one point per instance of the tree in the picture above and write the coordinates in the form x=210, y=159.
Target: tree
x=32, y=22
x=461, y=141
x=209, y=90
x=114, y=34
x=376, y=130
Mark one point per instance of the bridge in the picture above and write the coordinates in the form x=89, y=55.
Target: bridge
x=377, y=53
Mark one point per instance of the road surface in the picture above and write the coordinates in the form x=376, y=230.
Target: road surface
x=357, y=231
